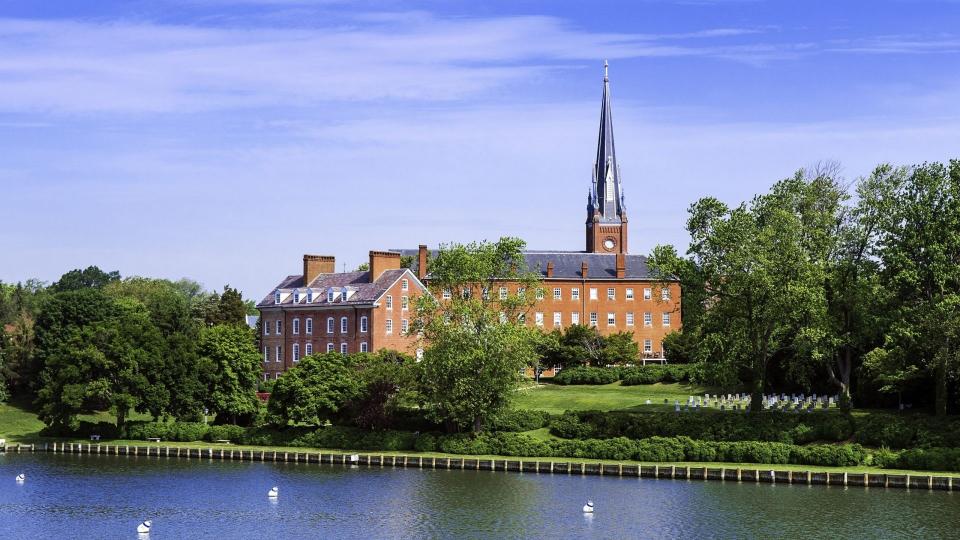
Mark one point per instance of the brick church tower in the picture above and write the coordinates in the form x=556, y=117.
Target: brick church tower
x=606, y=214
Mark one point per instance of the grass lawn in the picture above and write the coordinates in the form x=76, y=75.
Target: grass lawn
x=18, y=421
x=555, y=399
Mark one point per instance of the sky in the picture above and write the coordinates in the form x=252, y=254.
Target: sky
x=221, y=140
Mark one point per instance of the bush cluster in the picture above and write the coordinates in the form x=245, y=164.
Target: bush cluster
x=907, y=430
x=669, y=373
x=587, y=375
x=520, y=420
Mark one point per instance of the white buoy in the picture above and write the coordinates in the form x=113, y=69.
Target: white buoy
x=588, y=508
x=21, y=477
x=274, y=492
x=144, y=527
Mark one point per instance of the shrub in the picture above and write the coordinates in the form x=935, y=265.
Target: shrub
x=425, y=442
x=142, y=431
x=225, y=432
x=186, y=431
x=587, y=375
x=670, y=373
x=519, y=420
x=569, y=426
x=659, y=449
x=931, y=459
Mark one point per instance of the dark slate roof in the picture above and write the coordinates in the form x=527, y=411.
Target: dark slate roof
x=359, y=281
x=567, y=264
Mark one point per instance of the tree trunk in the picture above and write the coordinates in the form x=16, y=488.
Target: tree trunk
x=121, y=418
x=477, y=424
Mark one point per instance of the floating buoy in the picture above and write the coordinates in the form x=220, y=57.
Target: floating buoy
x=274, y=492
x=588, y=508
x=21, y=477
x=144, y=527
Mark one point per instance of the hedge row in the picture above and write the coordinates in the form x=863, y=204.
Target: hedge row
x=184, y=431
x=630, y=376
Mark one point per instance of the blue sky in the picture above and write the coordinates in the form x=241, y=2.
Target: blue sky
x=221, y=140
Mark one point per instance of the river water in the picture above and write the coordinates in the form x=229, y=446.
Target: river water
x=90, y=496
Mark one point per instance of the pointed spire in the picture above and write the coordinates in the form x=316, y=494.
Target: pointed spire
x=606, y=174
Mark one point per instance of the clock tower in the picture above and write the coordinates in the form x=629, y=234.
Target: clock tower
x=606, y=214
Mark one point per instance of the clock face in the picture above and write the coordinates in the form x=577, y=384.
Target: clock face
x=608, y=244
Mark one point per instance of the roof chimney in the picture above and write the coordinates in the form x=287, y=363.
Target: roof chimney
x=314, y=265
x=583, y=269
x=380, y=261
x=422, y=261
x=621, y=266
x=549, y=269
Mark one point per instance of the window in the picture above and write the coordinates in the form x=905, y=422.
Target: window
x=279, y=357
x=503, y=317
x=611, y=293
x=404, y=326
x=404, y=303
x=593, y=293
x=557, y=293
x=447, y=294
x=575, y=293
x=539, y=293
x=664, y=293
x=629, y=318
x=296, y=327
x=330, y=295
x=343, y=348
x=404, y=284
x=279, y=327
x=389, y=301
x=363, y=323
x=647, y=319
x=266, y=328
x=296, y=296
x=666, y=319
x=538, y=318
x=276, y=297
x=503, y=293
x=629, y=293
x=647, y=346
x=276, y=375
x=485, y=293
x=296, y=352
x=308, y=349
x=521, y=292
x=309, y=296
x=363, y=346
x=647, y=293
x=557, y=318
x=611, y=319
x=309, y=325
x=465, y=293
x=329, y=347
x=522, y=318
x=593, y=318
x=389, y=327
x=329, y=325
x=343, y=325
x=266, y=354
x=575, y=317
x=265, y=376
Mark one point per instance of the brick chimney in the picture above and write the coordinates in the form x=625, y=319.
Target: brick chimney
x=314, y=265
x=549, y=269
x=381, y=261
x=422, y=262
x=621, y=266
x=583, y=269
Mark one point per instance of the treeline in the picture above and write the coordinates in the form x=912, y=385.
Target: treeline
x=820, y=285
x=94, y=342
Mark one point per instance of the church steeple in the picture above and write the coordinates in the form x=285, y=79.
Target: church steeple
x=606, y=216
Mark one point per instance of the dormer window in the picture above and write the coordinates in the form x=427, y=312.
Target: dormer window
x=296, y=296
x=331, y=294
x=309, y=296
x=276, y=297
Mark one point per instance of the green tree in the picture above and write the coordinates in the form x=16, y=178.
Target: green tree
x=477, y=343
x=386, y=384
x=90, y=277
x=620, y=348
x=230, y=368
x=314, y=391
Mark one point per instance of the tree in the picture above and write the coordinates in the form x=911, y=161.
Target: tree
x=386, y=383
x=90, y=277
x=476, y=343
x=230, y=369
x=619, y=348
x=314, y=391
x=232, y=309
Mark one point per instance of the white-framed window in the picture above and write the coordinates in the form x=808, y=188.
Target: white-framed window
x=296, y=327
x=611, y=319
x=363, y=323
x=343, y=325
x=648, y=346
x=557, y=293
x=309, y=325
x=575, y=317
x=363, y=346
x=485, y=293
x=664, y=293
x=329, y=325
x=389, y=326
x=329, y=347
x=266, y=354
x=404, y=284
x=404, y=303
x=611, y=293
x=276, y=297
x=593, y=318
x=296, y=296
x=279, y=327
x=331, y=295
x=308, y=349
x=296, y=352
x=647, y=293
x=389, y=302
x=465, y=293
x=266, y=328
x=447, y=294
x=629, y=318
x=557, y=319
x=503, y=293
x=521, y=292
x=575, y=293
x=593, y=293
x=539, y=293
x=647, y=318
x=666, y=319
x=343, y=348
x=538, y=318
x=522, y=318
x=404, y=326
x=629, y=293
x=266, y=377
x=309, y=296
x=279, y=356
x=503, y=317
x=276, y=375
